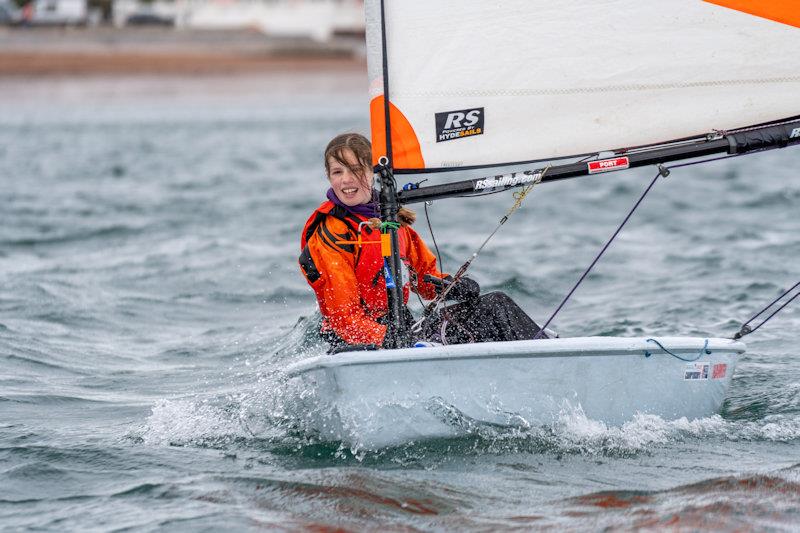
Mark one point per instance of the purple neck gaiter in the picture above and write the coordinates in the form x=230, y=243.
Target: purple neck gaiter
x=368, y=210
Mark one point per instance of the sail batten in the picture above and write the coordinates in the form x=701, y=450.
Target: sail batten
x=481, y=84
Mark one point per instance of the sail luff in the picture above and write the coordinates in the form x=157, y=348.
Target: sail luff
x=386, y=98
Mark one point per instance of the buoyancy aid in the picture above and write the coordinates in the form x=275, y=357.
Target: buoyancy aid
x=348, y=279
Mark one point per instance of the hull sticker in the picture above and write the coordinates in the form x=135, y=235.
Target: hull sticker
x=719, y=371
x=696, y=371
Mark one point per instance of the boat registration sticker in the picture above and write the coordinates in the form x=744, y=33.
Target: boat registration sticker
x=719, y=371
x=695, y=371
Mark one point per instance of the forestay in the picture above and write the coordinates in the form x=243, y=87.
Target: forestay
x=477, y=83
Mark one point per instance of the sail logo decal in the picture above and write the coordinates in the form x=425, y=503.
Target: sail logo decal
x=607, y=165
x=795, y=133
x=508, y=180
x=451, y=125
x=696, y=371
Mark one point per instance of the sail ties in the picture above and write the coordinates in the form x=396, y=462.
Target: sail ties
x=746, y=329
x=662, y=172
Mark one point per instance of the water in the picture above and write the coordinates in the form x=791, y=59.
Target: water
x=150, y=296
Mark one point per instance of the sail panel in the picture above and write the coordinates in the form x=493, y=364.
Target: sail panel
x=785, y=11
x=479, y=83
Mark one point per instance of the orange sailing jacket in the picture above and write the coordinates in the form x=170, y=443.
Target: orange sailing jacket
x=349, y=279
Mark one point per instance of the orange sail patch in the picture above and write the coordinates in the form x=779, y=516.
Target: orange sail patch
x=406, y=152
x=785, y=11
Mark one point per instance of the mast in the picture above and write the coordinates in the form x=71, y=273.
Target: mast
x=395, y=325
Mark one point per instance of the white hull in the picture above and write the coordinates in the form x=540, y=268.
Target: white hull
x=375, y=399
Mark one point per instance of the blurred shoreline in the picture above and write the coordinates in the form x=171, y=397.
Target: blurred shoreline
x=66, y=52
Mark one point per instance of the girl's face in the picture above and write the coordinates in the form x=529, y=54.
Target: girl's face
x=352, y=188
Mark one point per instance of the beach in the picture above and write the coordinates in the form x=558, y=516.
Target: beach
x=153, y=51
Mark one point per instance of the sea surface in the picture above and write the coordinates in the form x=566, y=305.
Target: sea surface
x=150, y=299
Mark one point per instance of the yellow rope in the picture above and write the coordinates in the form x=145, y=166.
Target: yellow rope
x=520, y=195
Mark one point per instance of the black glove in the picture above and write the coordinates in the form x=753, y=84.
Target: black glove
x=464, y=290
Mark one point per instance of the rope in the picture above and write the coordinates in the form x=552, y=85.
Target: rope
x=435, y=245
x=389, y=225
x=746, y=329
x=518, y=196
x=662, y=171
x=703, y=350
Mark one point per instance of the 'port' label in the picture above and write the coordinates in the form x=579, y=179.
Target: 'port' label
x=607, y=165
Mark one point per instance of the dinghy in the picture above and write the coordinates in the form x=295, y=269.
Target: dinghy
x=381, y=398
x=552, y=90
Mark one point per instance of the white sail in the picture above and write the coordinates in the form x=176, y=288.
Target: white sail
x=477, y=83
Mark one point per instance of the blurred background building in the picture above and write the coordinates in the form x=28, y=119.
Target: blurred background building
x=77, y=37
x=319, y=20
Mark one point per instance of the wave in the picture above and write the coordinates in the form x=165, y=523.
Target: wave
x=576, y=434
x=47, y=399
x=268, y=419
x=34, y=363
x=117, y=230
x=786, y=197
x=746, y=502
x=180, y=422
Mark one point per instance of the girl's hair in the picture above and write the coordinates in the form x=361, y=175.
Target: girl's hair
x=362, y=149
x=356, y=142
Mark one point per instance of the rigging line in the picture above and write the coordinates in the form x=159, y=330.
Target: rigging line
x=709, y=160
x=413, y=278
x=588, y=157
x=433, y=237
x=478, y=195
x=662, y=171
x=746, y=329
x=519, y=196
x=773, y=302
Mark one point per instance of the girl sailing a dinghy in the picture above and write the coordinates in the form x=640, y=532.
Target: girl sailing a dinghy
x=341, y=260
